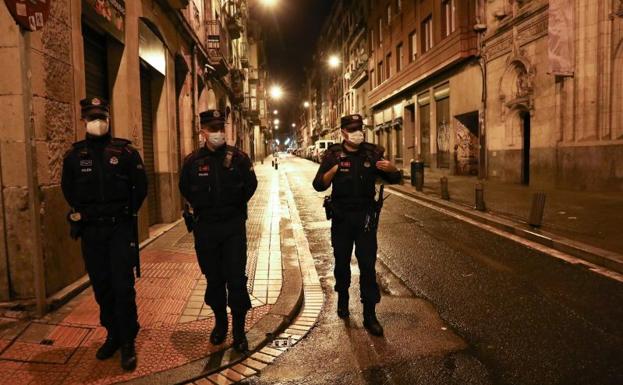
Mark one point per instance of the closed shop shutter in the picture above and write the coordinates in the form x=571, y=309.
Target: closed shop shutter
x=95, y=63
x=147, y=113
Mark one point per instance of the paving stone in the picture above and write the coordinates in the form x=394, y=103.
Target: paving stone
x=232, y=375
x=257, y=365
x=219, y=379
x=244, y=370
x=258, y=356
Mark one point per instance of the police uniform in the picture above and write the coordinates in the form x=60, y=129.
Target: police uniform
x=218, y=184
x=104, y=182
x=352, y=200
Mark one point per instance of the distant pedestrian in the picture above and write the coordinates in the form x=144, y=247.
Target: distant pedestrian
x=352, y=167
x=218, y=180
x=104, y=182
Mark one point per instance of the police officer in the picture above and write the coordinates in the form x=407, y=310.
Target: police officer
x=352, y=167
x=218, y=180
x=104, y=183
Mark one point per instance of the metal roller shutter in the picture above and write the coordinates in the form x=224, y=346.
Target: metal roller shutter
x=95, y=63
x=148, y=144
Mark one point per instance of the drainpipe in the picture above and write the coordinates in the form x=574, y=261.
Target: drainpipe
x=482, y=166
x=34, y=201
x=194, y=88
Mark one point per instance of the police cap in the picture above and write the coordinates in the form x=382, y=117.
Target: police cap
x=212, y=117
x=94, y=106
x=351, y=122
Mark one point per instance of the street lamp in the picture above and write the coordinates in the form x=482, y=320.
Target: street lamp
x=306, y=104
x=276, y=122
x=293, y=125
x=334, y=61
x=276, y=92
x=275, y=112
x=269, y=3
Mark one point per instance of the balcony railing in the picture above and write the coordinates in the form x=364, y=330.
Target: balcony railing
x=254, y=75
x=234, y=19
x=217, y=49
x=359, y=75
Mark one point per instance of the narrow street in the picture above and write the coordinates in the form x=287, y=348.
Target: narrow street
x=476, y=309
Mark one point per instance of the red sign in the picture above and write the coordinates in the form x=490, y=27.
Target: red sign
x=30, y=14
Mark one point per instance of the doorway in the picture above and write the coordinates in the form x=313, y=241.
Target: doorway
x=425, y=134
x=525, y=151
x=147, y=113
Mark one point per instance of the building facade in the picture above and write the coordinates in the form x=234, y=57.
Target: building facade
x=158, y=62
x=474, y=87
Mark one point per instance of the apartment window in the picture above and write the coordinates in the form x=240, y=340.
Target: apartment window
x=380, y=30
x=372, y=79
x=388, y=66
x=399, y=57
x=398, y=6
x=389, y=15
x=448, y=16
x=427, y=34
x=412, y=46
x=372, y=40
x=379, y=73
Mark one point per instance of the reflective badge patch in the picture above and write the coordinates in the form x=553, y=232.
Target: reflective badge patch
x=139, y=166
x=345, y=164
x=366, y=164
x=204, y=170
x=114, y=161
x=89, y=169
x=86, y=163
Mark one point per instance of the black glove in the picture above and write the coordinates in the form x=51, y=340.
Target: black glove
x=75, y=224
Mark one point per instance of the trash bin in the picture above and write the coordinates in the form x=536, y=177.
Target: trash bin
x=417, y=174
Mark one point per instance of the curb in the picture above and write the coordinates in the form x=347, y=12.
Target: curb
x=603, y=258
x=269, y=327
x=60, y=298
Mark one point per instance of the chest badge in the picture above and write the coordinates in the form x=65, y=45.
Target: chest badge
x=114, y=160
x=86, y=163
x=367, y=164
x=204, y=170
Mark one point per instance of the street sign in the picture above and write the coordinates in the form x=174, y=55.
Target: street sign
x=30, y=14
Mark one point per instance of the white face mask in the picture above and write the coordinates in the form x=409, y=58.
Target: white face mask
x=97, y=127
x=216, y=139
x=356, y=137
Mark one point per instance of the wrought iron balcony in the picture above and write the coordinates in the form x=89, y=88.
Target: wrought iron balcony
x=217, y=49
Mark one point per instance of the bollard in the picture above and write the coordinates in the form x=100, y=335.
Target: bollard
x=276, y=165
x=445, y=193
x=417, y=174
x=537, y=210
x=480, y=197
x=272, y=163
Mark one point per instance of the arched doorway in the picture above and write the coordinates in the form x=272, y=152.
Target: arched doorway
x=524, y=118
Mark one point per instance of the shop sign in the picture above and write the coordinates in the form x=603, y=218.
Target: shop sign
x=108, y=14
x=30, y=14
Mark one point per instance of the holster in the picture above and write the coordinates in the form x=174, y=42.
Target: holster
x=328, y=207
x=189, y=219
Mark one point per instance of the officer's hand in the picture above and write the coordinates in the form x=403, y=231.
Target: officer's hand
x=328, y=176
x=386, y=166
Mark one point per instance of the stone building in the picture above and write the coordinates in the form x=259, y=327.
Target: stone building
x=555, y=130
x=159, y=63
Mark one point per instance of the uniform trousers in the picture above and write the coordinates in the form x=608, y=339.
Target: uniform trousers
x=107, y=253
x=348, y=229
x=221, y=248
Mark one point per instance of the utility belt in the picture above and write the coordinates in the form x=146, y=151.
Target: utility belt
x=106, y=219
x=334, y=209
x=207, y=215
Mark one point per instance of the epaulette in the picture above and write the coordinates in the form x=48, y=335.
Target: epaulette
x=120, y=142
x=79, y=144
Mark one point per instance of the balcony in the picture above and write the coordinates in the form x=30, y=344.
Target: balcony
x=359, y=75
x=251, y=109
x=234, y=19
x=217, y=49
x=237, y=85
x=244, y=55
x=254, y=75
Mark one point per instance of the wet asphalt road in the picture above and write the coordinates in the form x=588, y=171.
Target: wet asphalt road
x=518, y=316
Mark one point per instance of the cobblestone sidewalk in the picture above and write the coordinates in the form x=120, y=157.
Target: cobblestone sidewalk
x=175, y=323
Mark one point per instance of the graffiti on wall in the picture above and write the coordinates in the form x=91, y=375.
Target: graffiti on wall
x=465, y=151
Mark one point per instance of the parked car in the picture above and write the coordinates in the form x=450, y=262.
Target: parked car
x=320, y=147
x=310, y=152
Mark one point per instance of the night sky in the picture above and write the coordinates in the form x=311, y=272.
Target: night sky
x=290, y=32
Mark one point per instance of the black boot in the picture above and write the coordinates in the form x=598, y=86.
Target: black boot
x=220, y=328
x=108, y=348
x=370, y=321
x=128, y=356
x=342, y=304
x=240, y=339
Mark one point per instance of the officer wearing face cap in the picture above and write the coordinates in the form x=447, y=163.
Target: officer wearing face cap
x=218, y=180
x=352, y=168
x=104, y=183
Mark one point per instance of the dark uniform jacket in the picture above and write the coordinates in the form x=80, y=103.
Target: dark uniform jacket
x=104, y=177
x=218, y=184
x=354, y=182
